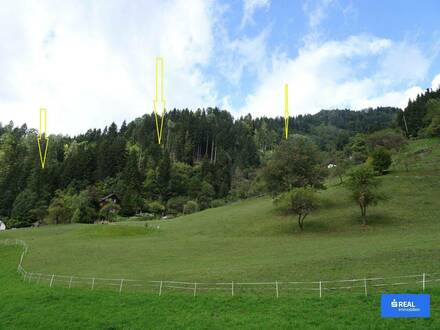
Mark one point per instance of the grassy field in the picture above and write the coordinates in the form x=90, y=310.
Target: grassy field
x=249, y=241
x=30, y=306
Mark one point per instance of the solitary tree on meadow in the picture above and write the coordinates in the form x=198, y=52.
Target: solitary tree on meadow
x=363, y=184
x=295, y=163
x=299, y=201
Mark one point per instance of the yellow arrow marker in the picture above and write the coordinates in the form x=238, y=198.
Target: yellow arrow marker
x=286, y=110
x=159, y=104
x=41, y=133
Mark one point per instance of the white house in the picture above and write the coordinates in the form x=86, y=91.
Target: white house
x=2, y=226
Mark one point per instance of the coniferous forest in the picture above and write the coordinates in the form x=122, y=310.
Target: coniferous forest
x=206, y=159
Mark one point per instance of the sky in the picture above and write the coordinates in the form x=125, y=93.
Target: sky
x=90, y=63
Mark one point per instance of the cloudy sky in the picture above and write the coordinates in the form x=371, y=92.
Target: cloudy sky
x=92, y=62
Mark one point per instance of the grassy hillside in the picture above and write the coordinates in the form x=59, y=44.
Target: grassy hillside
x=246, y=241
x=249, y=241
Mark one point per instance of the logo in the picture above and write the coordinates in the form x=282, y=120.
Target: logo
x=405, y=305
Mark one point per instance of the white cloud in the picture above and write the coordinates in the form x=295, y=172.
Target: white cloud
x=404, y=62
x=338, y=74
x=316, y=12
x=242, y=54
x=436, y=82
x=93, y=63
x=249, y=8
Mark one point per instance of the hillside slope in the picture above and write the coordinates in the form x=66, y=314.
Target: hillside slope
x=249, y=241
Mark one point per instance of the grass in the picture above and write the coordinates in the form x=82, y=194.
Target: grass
x=249, y=241
x=26, y=306
x=246, y=241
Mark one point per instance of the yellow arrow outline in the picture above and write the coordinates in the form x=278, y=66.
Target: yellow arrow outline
x=159, y=66
x=43, y=131
x=286, y=110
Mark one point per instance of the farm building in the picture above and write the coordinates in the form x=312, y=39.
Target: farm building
x=109, y=198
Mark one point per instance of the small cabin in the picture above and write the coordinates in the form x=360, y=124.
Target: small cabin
x=109, y=198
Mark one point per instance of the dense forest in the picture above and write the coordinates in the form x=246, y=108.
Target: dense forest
x=206, y=159
x=422, y=116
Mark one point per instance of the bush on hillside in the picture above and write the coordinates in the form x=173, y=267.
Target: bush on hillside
x=206, y=195
x=109, y=211
x=22, y=208
x=175, y=204
x=12, y=223
x=387, y=139
x=217, y=203
x=190, y=207
x=156, y=208
x=357, y=149
x=381, y=160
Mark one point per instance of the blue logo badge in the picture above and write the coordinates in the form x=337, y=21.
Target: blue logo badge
x=405, y=305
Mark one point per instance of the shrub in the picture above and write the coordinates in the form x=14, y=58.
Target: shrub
x=145, y=216
x=206, y=195
x=84, y=214
x=22, y=208
x=109, y=211
x=175, y=204
x=387, y=139
x=12, y=223
x=156, y=208
x=76, y=218
x=190, y=207
x=217, y=203
x=381, y=160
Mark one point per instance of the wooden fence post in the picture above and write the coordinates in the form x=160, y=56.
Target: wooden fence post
x=160, y=288
x=120, y=287
x=320, y=289
x=51, y=280
x=365, y=287
x=276, y=286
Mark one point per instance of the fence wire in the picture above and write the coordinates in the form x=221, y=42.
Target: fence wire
x=363, y=286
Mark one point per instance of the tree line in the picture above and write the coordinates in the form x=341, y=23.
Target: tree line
x=421, y=117
x=206, y=159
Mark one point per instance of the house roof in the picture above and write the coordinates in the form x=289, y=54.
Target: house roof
x=110, y=196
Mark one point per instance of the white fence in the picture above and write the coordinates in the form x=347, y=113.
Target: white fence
x=364, y=286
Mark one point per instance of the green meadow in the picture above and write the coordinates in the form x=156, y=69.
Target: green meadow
x=247, y=241
x=31, y=306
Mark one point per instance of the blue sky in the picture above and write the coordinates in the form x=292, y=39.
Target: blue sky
x=92, y=62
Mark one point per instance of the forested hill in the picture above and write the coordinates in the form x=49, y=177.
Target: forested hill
x=422, y=116
x=203, y=157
